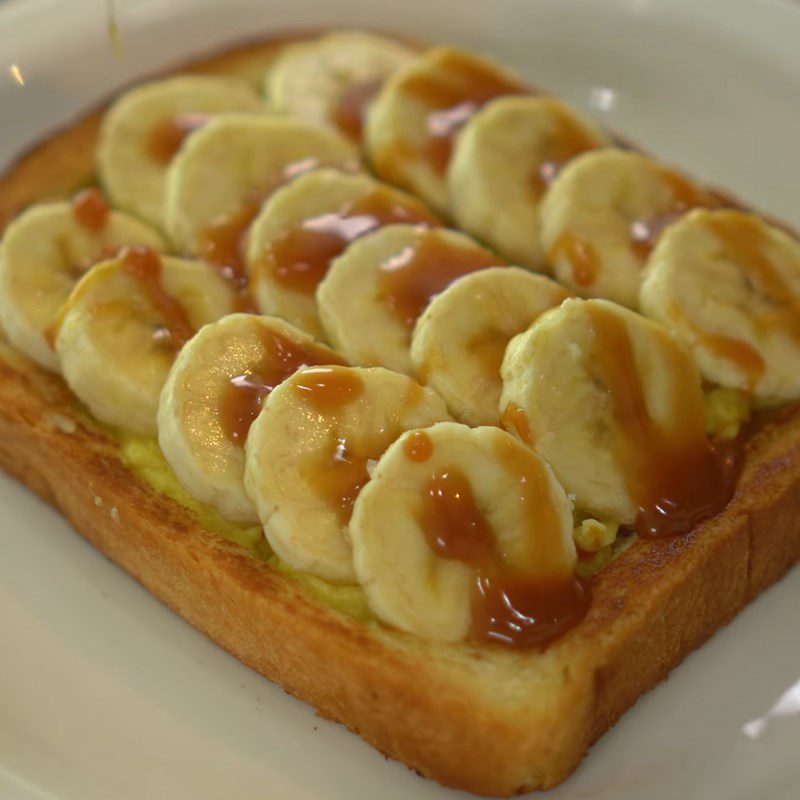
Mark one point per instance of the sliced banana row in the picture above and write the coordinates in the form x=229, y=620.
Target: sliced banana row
x=147, y=126
x=459, y=342
x=309, y=452
x=122, y=325
x=504, y=160
x=331, y=80
x=220, y=177
x=43, y=254
x=213, y=394
x=305, y=225
x=374, y=292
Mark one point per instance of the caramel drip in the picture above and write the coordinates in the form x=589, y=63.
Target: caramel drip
x=350, y=112
x=745, y=242
x=515, y=418
x=418, y=446
x=222, y=242
x=517, y=607
x=674, y=474
x=90, y=209
x=409, y=280
x=342, y=473
x=167, y=137
x=280, y=358
x=144, y=266
x=568, y=139
x=684, y=195
x=453, y=92
x=300, y=259
x=735, y=351
x=580, y=254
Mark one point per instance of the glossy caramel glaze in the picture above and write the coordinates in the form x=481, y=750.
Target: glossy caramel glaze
x=418, y=446
x=167, y=137
x=349, y=113
x=676, y=477
x=409, y=280
x=281, y=357
x=300, y=259
x=519, y=606
x=452, y=93
x=514, y=417
x=90, y=209
x=144, y=266
x=581, y=256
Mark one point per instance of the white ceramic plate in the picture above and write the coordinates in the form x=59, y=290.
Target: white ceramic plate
x=106, y=694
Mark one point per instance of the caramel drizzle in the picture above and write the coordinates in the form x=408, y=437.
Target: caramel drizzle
x=222, y=242
x=453, y=93
x=514, y=418
x=144, y=266
x=167, y=137
x=674, y=474
x=244, y=394
x=299, y=260
x=349, y=113
x=90, y=209
x=568, y=139
x=409, y=280
x=517, y=606
x=341, y=474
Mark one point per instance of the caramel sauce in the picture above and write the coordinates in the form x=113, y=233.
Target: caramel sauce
x=567, y=140
x=674, y=474
x=244, y=394
x=90, y=209
x=736, y=351
x=222, y=242
x=350, y=112
x=684, y=195
x=516, y=606
x=167, y=137
x=581, y=255
x=453, y=92
x=514, y=417
x=409, y=280
x=418, y=446
x=300, y=259
x=746, y=244
x=342, y=473
x=144, y=266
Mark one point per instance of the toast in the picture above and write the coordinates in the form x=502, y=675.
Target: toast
x=488, y=720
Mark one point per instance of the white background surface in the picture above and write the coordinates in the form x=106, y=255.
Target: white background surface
x=105, y=694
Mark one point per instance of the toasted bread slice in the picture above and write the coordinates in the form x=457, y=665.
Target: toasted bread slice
x=489, y=720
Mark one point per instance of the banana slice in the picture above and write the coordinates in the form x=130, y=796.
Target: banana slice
x=146, y=126
x=309, y=451
x=602, y=215
x=305, y=225
x=614, y=404
x=43, y=254
x=333, y=78
x=375, y=291
x=124, y=322
x=504, y=159
x=728, y=285
x=215, y=390
x=459, y=341
x=218, y=180
x=465, y=531
x=414, y=119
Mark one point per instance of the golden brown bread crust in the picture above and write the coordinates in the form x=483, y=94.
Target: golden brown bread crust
x=490, y=721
